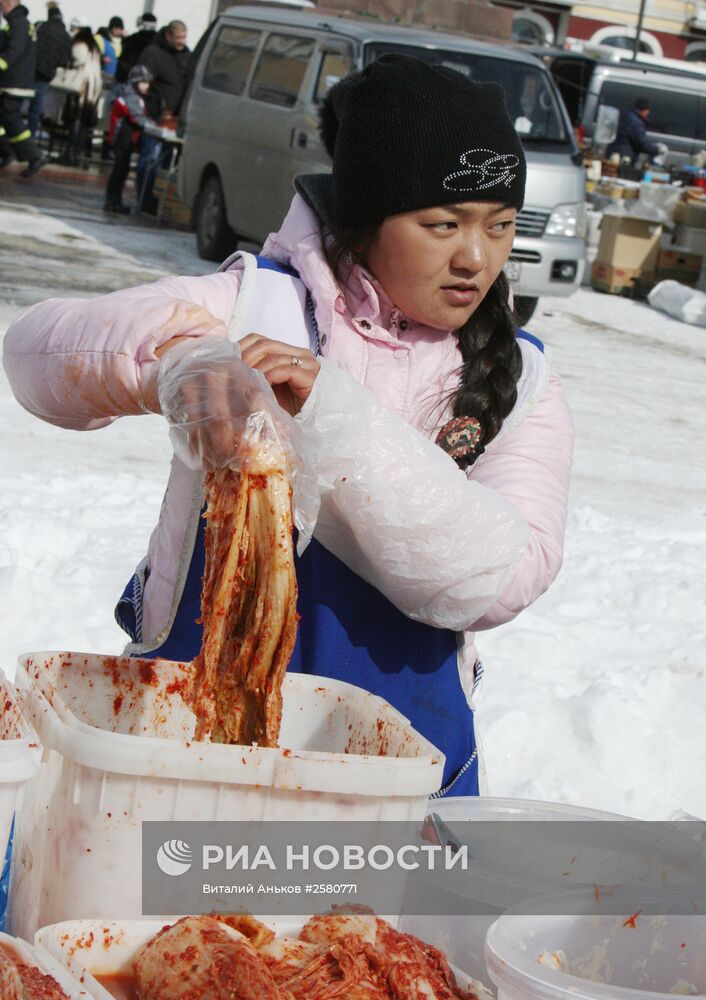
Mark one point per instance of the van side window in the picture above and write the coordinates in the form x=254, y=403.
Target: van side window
x=334, y=65
x=281, y=69
x=231, y=59
x=672, y=112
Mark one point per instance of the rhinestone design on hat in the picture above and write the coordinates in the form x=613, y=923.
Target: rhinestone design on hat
x=480, y=174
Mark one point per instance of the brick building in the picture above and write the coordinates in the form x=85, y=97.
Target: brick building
x=674, y=29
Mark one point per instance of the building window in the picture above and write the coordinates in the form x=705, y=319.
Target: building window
x=695, y=52
x=620, y=37
x=531, y=28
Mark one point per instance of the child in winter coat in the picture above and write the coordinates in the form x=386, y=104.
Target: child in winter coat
x=126, y=123
x=381, y=315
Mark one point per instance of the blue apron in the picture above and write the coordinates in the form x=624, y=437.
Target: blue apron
x=349, y=631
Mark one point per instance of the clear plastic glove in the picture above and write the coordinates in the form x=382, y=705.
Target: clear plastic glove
x=662, y=153
x=206, y=393
x=223, y=413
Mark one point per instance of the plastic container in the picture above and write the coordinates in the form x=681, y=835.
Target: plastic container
x=596, y=956
x=120, y=748
x=497, y=881
x=24, y=953
x=90, y=948
x=661, y=198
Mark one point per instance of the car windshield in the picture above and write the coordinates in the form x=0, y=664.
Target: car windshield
x=529, y=93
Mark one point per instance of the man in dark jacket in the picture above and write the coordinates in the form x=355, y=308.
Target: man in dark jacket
x=53, y=51
x=18, y=60
x=632, y=139
x=135, y=44
x=167, y=59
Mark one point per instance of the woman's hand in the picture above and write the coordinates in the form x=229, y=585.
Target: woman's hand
x=291, y=371
x=216, y=405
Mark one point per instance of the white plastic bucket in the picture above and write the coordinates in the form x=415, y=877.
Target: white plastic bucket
x=497, y=881
x=20, y=756
x=121, y=751
x=105, y=948
x=22, y=952
x=631, y=956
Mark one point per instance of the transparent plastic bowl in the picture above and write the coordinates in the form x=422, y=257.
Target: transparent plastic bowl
x=629, y=956
x=500, y=879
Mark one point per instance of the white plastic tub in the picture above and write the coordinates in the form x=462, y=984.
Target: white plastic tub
x=22, y=952
x=20, y=756
x=121, y=747
x=91, y=948
x=596, y=956
x=497, y=881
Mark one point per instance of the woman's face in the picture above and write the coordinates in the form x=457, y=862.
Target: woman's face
x=436, y=265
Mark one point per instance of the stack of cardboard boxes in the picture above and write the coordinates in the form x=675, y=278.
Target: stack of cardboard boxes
x=682, y=255
x=628, y=249
x=637, y=249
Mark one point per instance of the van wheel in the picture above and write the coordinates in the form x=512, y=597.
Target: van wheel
x=214, y=237
x=524, y=309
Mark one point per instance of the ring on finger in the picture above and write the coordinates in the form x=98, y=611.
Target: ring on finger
x=297, y=362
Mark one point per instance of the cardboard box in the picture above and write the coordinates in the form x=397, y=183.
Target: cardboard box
x=629, y=242
x=617, y=280
x=691, y=213
x=677, y=264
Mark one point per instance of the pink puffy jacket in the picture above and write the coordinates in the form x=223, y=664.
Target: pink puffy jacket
x=458, y=552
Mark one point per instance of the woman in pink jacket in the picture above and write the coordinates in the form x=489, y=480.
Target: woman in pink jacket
x=441, y=443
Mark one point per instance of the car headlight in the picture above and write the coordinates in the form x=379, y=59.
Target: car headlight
x=568, y=220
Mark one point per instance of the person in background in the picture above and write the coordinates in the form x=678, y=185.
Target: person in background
x=167, y=59
x=81, y=108
x=109, y=41
x=18, y=63
x=53, y=51
x=77, y=23
x=126, y=123
x=632, y=138
x=135, y=44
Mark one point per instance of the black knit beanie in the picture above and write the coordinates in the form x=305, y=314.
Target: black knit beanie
x=405, y=135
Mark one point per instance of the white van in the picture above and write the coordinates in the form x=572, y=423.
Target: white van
x=251, y=127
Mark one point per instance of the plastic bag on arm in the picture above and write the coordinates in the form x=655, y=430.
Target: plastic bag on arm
x=222, y=413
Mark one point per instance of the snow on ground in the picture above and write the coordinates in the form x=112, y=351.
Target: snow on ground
x=594, y=696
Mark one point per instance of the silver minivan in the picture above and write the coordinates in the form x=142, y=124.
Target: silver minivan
x=676, y=92
x=251, y=127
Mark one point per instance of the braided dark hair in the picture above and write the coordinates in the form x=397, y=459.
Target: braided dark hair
x=492, y=365
x=492, y=360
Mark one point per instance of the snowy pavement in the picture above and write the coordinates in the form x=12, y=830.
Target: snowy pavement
x=596, y=695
